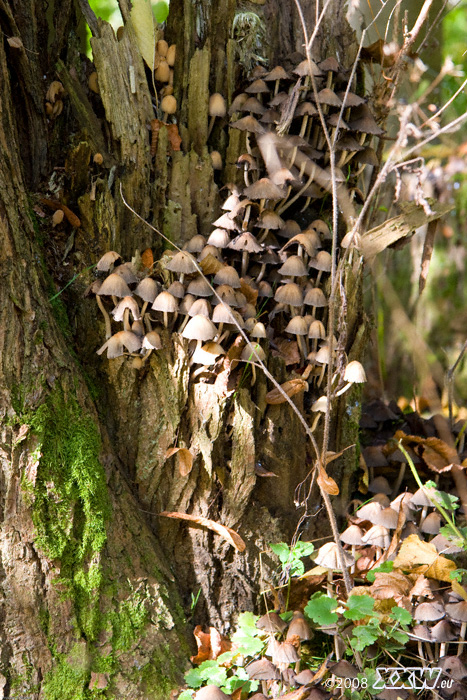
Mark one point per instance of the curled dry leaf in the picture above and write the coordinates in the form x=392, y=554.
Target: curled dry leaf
x=421, y=587
x=184, y=459
x=327, y=483
x=225, y=532
x=421, y=557
x=393, y=584
x=210, y=265
x=288, y=350
x=290, y=388
x=250, y=293
x=437, y=454
x=15, y=42
x=210, y=645
x=175, y=140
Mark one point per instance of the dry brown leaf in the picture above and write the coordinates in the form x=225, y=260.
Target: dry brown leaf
x=437, y=454
x=288, y=350
x=225, y=532
x=421, y=557
x=421, y=587
x=327, y=483
x=250, y=293
x=184, y=459
x=147, y=258
x=261, y=471
x=15, y=42
x=210, y=645
x=175, y=140
x=210, y=265
x=460, y=590
x=331, y=456
x=393, y=584
x=290, y=388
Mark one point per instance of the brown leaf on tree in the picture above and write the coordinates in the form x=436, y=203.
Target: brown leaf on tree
x=290, y=388
x=184, y=459
x=175, y=140
x=327, y=483
x=197, y=520
x=210, y=645
x=331, y=456
x=288, y=350
x=147, y=259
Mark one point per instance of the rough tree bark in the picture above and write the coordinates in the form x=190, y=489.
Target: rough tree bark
x=93, y=581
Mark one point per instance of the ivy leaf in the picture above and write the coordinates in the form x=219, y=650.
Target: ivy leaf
x=385, y=567
x=358, y=607
x=401, y=615
x=319, y=609
x=365, y=636
x=161, y=11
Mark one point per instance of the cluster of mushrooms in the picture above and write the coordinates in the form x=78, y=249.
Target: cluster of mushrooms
x=257, y=270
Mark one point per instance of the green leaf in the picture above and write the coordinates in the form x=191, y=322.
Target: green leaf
x=400, y=637
x=369, y=674
x=457, y=575
x=247, y=624
x=303, y=549
x=319, y=609
x=143, y=24
x=358, y=607
x=282, y=550
x=385, y=567
x=448, y=501
x=246, y=645
x=186, y=695
x=215, y=674
x=226, y=657
x=161, y=11
x=365, y=635
x=401, y=615
x=194, y=678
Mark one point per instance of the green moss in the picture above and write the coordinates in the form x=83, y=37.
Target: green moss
x=70, y=504
x=67, y=681
x=130, y=618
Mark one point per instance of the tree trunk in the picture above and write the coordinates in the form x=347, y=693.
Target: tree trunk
x=94, y=581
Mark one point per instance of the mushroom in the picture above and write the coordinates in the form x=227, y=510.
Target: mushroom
x=277, y=74
x=442, y=633
x=458, y=612
x=379, y=537
x=328, y=557
x=353, y=536
x=431, y=524
x=168, y=106
x=271, y=623
x=211, y=692
x=199, y=328
x=353, y=374
x=253, y=352
x=107, y=260
x=293, y=267
x=320, y=406
x=115, y=344
x=166, y=303
x=122, y=311
x=207, y=354
x=228, y=275
x=183, y=263
x=299, y=327
x=217, y=108
x=246, y=243
x=147, y=290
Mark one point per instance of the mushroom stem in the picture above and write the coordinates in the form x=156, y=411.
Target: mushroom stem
x=462, y=637
x=166, y=319
x=400, y=476
x=261, y=272
x=211, y=124
x=315, y=422
x=126, y=320
x=245, y=259
x=302, y=346
x=345, y=388
x=108, y=329
x=147, y=323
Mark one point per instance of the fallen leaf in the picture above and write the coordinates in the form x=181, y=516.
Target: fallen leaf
x=147, y=258
x=225, y=532
x=288, y=350
x=393, y=584
x=421, y=587
x=184, y=459
x=460, y=590
x=210, y=645
x=421, y=557
x=210, y=265
x=331, y=456
x=437, y=454
x=327, y=483
x=15, y=42
x=290, y=388
x=250, y=293
x=174, y=137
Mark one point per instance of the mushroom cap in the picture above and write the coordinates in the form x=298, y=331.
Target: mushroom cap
x=303, y=69
x=211, y=692
x=431, y=524
x=348, y=143
x=379, y=484
x=328, y=557
x=225, y=221
x=297, y=326
x=258, y=330
x=369, y=511
x=237, y=102
x=290, y=294
x=199, y=328
x=147, y=289
x=323, y=356
x=165, y=302
x=304, y=677
x=354, y=373
x=177, y=290
x=293, y=267
x=263, y=188
x=271, y=622
x=352, y=535
x=252, y=352
x=183, y=263
x=186, y=304
x=378, y=536
x=329, y=97
x=107, y=260
x=257, y=87
x=126, y=303
x=364, y=121
x=126, y=270
x=151, y=340
x=195, y=244
x=443, y=632
x=254, y=106
x=228, y=275
x=219, y=238
x=329, y=64
x=217, y=106
x=457, y=611
x=430, y=611
x=290, y=229
x=317, y=330
x=200, y=307
x=199, y=287
x=248, y=123
x=305, y=108
x=320, y=405
x=367, y=156
x=223, y=314
x=422, y=632
x=114, y=285
x=322, y=261
x=315, y=297
x=300, y=627
x=208, y=353
x=246, y=242
x=262, y=670
x=420, y=497
x=285, y=653
x=169, y=104
x=277, y=73
x=350, y=99
x=264, y=289
x=269, y=219
x=227, y=294
x=118, y=341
